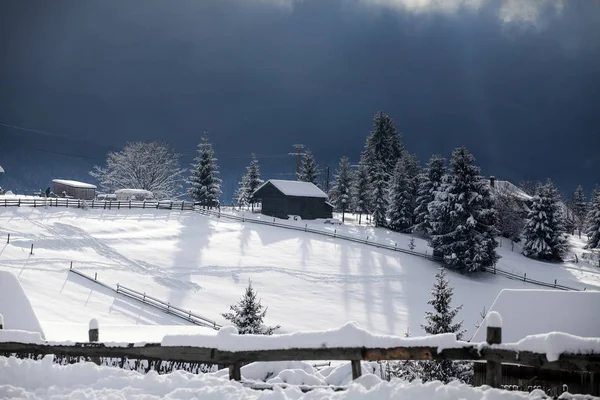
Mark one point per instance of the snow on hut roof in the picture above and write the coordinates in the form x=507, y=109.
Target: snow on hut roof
x=509, y=187
x=532, y=312
x=295, y=188
x=80, y=185
x=1, y=169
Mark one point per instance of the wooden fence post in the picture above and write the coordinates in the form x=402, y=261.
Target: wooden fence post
x=8, y=238
x=235, y=371
x=1, y=321
x=31, y=252
x=493, y=370
x=356, y=369
x=94, y=336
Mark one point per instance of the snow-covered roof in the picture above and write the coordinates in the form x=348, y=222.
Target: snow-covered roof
x=509, y=187
x=15, y=306
x=1, y=169
x=132, y=192
x=295, y=188
x=76, y=184
x=530, y=312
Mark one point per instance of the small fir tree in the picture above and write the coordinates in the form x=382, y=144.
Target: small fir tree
x=430, y=181
x=380, y=197
x=361, y=195
x=309, y=171
x=579, y=209
x=204, y=183
x=250, y=182
x=241, y=194
x=441, y=320
x=544, y=231
x=248, y=315
x=401, y=208
x=341, y=192
x=463, y=218
x=593, y=221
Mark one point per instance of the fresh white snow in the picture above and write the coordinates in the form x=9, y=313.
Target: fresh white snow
x=553, y=344
x=201, y=263
x=43, y=379
x=493, y=320
x=531, y=312
x=77, y=184
x=15, y=307
x=295, y=188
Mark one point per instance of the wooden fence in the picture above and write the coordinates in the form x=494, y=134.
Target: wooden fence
x=494, y=357
x=103, y=204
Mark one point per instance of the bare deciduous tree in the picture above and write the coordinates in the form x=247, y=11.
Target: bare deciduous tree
x=150, y=166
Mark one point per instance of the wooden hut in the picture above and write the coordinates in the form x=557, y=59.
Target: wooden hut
x=74, y=189
x=281, y=199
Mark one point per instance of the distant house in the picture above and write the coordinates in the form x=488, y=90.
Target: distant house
x=133, y=194
x=281, y=199
x=506, y=188
x=74, y=189
x=533, y=312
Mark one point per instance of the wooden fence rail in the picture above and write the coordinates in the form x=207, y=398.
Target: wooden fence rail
x=235, y=359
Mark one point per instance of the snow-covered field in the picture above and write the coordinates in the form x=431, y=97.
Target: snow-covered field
x=308, y=281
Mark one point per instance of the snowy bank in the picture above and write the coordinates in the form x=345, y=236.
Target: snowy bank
x=43, y=379
x=15, y=306
x=554, y=344
x=349, y=335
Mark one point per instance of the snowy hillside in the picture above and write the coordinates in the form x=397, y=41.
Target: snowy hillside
x=203, y=263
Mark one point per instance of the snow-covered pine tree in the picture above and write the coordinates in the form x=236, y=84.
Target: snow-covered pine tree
x=341, y=192
x=430, y=181
x=361, y=193
x=241, y=194
x=380, y=195
x=248, y=315
x=544, y=231
x=579, y=208
x=253, y=180
x=383, y=146
x=204, y=182
x=441, y=320
x=463, y=218
x=401, y=210
x=309, y=171
x=593, y=221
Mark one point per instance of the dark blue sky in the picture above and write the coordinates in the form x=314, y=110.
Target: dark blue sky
x=516, y=81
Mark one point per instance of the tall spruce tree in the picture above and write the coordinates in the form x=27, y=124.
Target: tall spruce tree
x=544, y=231
x=441, y=320
x=593, y=221
x=430, y=181
x=309, y=171
x=341, y=192
x=248, y=315
x=204, y=182
x=250, y=182
x=579, y=208
x=401, y=208
x=463, y=219
x=379, y=199
x=383, y=147
x=361, y=196
x=412, y=166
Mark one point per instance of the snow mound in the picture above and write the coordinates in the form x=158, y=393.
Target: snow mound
x=494, y=320
x=15, y=306
x=349, y=335
x=43, y=379
x=556, y=343
x=15, y=335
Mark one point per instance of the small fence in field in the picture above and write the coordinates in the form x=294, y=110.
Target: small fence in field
x=585, y=360
x=153, y=302
x=96, y=204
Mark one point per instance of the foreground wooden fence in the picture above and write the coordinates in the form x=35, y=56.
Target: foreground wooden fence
x=494, y=357
x=102, y=204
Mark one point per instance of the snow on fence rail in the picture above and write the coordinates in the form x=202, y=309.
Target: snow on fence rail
x=104, y=204
x=494, y=270
x=554, y=351
x=151, y=301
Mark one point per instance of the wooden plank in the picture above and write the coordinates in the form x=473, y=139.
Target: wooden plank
x=493, y=370
x=356, y=369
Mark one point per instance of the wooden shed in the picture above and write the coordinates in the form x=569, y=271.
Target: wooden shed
x=280, y=198
x=74, y=189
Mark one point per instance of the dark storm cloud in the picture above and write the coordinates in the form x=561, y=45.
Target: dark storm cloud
x=517, y=81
